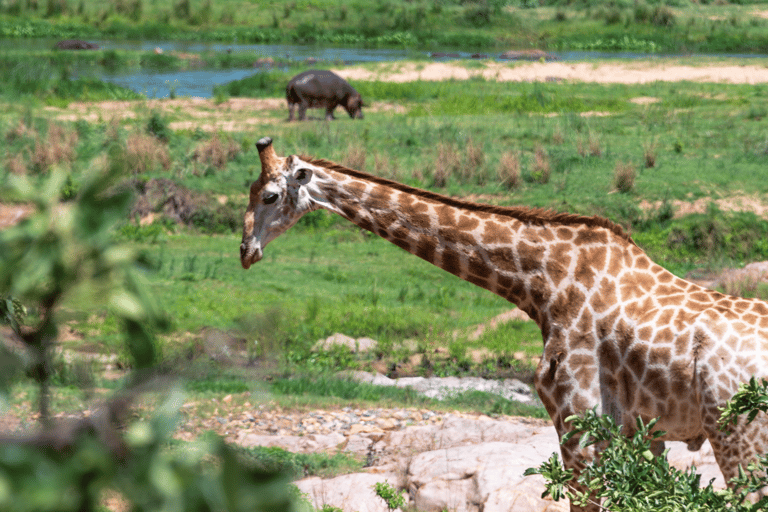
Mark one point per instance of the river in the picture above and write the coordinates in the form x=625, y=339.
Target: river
x=200, y=82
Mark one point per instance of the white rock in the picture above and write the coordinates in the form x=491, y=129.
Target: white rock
x=352, y=493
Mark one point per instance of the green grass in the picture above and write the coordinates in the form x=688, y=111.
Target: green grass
x=495, y=25
x=326, y=276
x=339, y=391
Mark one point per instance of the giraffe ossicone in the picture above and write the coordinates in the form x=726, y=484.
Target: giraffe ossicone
x=620, y=333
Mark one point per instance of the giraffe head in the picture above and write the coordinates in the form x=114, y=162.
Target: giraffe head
x=278, y=199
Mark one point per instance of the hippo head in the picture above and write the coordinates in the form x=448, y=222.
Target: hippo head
x=355, y=106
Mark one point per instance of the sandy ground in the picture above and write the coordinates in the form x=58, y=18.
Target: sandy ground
x=636, y=72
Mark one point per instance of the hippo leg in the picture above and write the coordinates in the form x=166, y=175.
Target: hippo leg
x=291, y=106
x=329, y=113
x=302, y=111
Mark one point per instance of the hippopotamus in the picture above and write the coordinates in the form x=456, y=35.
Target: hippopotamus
x=318, y=88
x=75, y=44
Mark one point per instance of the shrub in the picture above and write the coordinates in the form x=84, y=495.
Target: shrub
x=651, y=484
x=158, y=127
x=59, y=146
x=447, y=162
x=145, y=153
x=509, y=170
x=216, y=152
x=649, y=154
x=474, y=161
x=663, y=16
x=355, y=157
x=624, y=175
x=541, y=168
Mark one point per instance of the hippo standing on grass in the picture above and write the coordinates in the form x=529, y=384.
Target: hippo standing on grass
x=322, y=88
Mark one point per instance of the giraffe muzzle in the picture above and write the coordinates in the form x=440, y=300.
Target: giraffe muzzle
x=249, y=254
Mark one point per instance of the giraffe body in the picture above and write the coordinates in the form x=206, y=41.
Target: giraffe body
x=620, y=333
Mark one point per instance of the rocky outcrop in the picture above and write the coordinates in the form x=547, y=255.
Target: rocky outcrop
x=459, y=462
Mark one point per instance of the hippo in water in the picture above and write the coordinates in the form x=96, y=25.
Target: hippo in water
x=75, y=44
x=322, y=88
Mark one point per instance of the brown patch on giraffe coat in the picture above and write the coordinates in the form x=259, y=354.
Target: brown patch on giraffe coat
x=750, y=318
x=741, y=306
x=567, y=304
x=539, y=289
x=459, y=237
x=664, y=277
x=625, y=336
x=664, y=335
x=605, y=324
x=356, y=187
x=556, y=271
x=684, y=319
x=656, y=381
x=380, y=198
x=478, y=280
x=531, y=235
x=643, y=263
x=700, y=296
x=636, y=359
x=496, y=233
x=451, y=261
x=608, y=356
x=564, y=234
x=467, y=223
x=591, y=236
x=676, y=299
x=682, y=343
x=582, y=337
x=639, y=309
x=635, y=284
x=660, y=356
x=446, y=216
x=584, y=272
x=761, y=308
x=425, y=248
x=605, y=297
x=645, y=333
x=531, y=256
x=367, y=224
x=502, y=258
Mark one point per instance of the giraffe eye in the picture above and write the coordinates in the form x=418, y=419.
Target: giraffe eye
x=301, y=175
x=270, y=198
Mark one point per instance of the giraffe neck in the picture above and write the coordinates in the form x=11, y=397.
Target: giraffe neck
x=528, y=257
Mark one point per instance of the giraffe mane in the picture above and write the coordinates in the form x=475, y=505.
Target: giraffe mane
x=521, y=213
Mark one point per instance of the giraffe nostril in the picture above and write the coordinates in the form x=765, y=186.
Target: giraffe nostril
x=243, y=249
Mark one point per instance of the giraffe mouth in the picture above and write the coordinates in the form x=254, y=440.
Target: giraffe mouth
x=249, y=254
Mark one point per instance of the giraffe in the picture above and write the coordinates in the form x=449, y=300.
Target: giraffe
x=620, y=333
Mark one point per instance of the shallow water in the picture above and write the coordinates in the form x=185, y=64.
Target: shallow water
x=200, y=83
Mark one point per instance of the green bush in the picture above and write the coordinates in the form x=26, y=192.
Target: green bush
x=629, y=477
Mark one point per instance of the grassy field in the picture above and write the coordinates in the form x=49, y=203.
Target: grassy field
x=579, y=147
x=476, y=26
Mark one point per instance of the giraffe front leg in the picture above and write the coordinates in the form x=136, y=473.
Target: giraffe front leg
x=576, y=459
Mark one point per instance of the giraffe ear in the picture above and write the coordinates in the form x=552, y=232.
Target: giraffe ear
x=303, y=175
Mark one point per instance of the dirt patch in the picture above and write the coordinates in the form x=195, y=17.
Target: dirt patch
x=754, y=204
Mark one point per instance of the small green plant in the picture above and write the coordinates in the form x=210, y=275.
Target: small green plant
x=651, y=484
x=158, y=127
x=393, y=498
